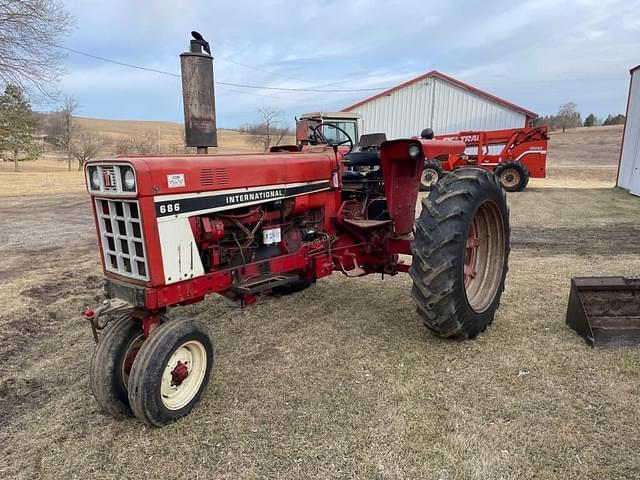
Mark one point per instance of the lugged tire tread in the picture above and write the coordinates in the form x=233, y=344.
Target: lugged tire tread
x=438, y=233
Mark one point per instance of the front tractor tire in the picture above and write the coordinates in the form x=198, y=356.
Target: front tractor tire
x=431, y=174
x=171, y=371
x=460, y=253
x=513, y=176
x=111, y=365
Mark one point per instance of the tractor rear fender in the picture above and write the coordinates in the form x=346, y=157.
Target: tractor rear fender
x=401, y=169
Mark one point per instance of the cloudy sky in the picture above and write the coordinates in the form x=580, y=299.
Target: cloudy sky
x=537, y=54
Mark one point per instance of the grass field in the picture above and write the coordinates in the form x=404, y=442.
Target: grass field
x=340, y=380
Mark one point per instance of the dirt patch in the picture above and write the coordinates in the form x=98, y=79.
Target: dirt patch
x=620, y=239
x=49, y=292
x=20, y=395
x=53, y=291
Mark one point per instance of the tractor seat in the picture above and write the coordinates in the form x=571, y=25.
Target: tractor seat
x=370, y=158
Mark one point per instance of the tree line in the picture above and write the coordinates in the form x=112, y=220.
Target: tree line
x=569, y=117
x=26, y=135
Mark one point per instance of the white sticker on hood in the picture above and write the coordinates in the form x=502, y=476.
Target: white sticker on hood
x=175, y=180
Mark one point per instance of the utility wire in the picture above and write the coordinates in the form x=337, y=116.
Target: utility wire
x=109, y=60
x=238, y=85
x=258, y=69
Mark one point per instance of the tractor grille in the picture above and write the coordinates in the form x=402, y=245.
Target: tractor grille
x=122, y=238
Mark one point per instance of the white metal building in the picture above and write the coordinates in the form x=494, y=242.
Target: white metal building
x=437, y=101
x=629, y=166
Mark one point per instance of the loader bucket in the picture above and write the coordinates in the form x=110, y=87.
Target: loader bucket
x=605, y=311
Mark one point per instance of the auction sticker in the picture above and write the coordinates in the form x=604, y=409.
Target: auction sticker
x=175, y=180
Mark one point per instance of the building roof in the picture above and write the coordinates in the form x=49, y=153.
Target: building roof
x=634, y=69
x=341, y=114
x=446, y=78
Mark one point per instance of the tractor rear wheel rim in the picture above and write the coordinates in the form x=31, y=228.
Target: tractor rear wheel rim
x=183, y=375
x=510, y=178
x=484, y=257
x=429, y=177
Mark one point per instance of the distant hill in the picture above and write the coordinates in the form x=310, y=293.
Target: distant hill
x=170, y=133
x=594, y=146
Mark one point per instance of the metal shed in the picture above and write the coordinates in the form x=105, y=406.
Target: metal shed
x=629, y=166
x=437, y=101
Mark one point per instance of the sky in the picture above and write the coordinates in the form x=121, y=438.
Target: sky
x=537, y=54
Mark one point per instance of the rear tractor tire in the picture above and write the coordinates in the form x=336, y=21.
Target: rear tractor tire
x=431, y=174
x=171, y=371
x=514, y=176
x=460, y=253
x=111, y=365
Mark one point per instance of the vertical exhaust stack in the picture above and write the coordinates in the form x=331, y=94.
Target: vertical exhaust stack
x=198, y=95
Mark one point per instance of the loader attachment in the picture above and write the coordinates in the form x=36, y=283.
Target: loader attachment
x=605, y=311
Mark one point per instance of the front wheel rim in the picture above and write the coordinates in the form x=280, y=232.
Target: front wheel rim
x=429, y=177
x=510, y=178
x=183, y=375
x=484, y=257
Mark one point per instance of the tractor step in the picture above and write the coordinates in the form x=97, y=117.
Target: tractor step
x=264, y=282
x=367, y=224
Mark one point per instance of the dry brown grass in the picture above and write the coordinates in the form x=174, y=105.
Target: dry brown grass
x=42, y=177
x=582, y=158
x=585, y=146
x=338, y=381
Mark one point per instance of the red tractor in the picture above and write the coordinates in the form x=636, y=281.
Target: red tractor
x=173, y=229
x=513, y=155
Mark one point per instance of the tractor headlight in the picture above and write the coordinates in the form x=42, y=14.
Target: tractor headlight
x=94, y=178
x=415, y=150
x=128, y=180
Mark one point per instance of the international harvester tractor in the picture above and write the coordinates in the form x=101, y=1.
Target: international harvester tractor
x=173, y=229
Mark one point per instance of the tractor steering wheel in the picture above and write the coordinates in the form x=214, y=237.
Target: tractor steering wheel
x=320, y=137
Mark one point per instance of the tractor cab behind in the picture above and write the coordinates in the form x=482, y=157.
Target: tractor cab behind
x=305, y=125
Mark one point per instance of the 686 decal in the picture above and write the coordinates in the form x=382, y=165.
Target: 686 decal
x=168, y=208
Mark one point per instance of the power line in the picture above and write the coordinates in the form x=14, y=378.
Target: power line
x=317, y=90
x=258, y=69
x=238, y=85
x=109, y=60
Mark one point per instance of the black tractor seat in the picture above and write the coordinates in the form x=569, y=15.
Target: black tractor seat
x=369, y=158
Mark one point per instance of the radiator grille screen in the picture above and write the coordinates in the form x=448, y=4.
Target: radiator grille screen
x=122, y=238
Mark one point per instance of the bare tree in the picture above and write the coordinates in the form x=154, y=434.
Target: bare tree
x=568, y=116
x=179, y=145
x=146, y=142
x=29, y=31
x=266, y=133
x=86, y=146
x=65, y=128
